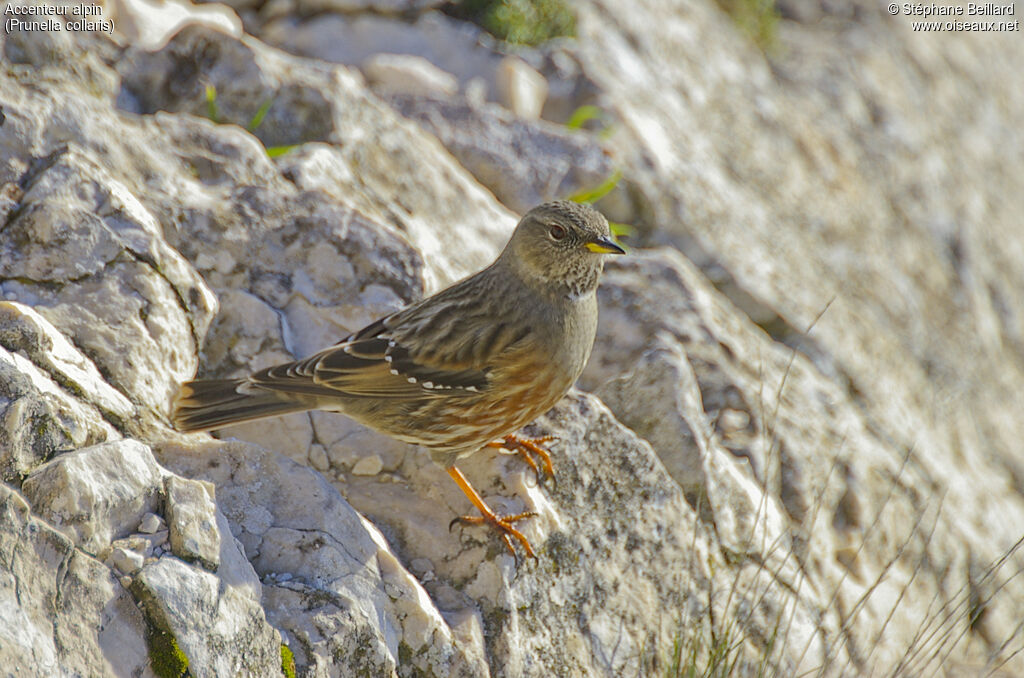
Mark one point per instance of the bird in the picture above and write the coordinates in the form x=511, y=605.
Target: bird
x=455, y=372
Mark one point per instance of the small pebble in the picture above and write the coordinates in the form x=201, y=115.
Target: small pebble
x=368, y=466
x=318, y=458
x=151, y=522
x=129, y=562
x=730, y=420
x=158, y=538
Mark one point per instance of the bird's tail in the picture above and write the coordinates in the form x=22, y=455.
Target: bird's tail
x=214, y=403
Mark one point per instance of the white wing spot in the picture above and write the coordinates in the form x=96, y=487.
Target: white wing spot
x=472, y=388
x=347, y=348
x=387, y=357
x=391, y=343
x=412, y=380
x=428, y=384
x=394, y=372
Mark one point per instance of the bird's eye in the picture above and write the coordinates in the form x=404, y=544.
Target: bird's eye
x=557, y=232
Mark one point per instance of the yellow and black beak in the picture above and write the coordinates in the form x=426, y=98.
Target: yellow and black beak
x=604, y=246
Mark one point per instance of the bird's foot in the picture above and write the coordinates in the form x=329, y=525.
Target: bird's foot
x=503, y=524
x=528, y=448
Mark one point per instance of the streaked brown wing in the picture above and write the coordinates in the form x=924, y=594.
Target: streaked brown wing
x=371, y=366
x=446, y=345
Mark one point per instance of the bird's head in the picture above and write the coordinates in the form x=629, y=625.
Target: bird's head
x=561, y=246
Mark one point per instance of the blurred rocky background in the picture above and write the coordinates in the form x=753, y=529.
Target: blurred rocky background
x=797, y=448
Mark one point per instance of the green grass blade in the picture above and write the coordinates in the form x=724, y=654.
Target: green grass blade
x=278, y=151
x=599, y=191
x=211, y=104
x=257, y=119
x=583, y=115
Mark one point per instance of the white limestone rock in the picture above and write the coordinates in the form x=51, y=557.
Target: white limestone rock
x=332, y=584
x=23, y=329
x=408, y=74
x=90, y=259
x=149, y=24
x=39, y=418
x=151, y=523
x=521, y=89
x=126, y=560
x=523, y=162
x=215, y=619
x=192, y=521
x=806, y=488
x=456, y=47
x=78, y=622
x=97, y=494
x=436, y=206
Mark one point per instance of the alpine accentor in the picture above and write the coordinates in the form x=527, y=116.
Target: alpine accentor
x=452, y=372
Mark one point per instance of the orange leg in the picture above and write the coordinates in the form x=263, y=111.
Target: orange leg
x=526, y=448
x=501, y=523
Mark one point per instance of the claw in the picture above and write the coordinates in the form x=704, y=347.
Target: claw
x=527, y=448
x=504, y=525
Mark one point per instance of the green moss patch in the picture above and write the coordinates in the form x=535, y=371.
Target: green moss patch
x=287, y=661
x=165, y=657
x=523, y=22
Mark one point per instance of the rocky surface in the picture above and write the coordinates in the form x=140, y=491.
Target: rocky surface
x=796, y=447
x=63, y=610
x=523, y=162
